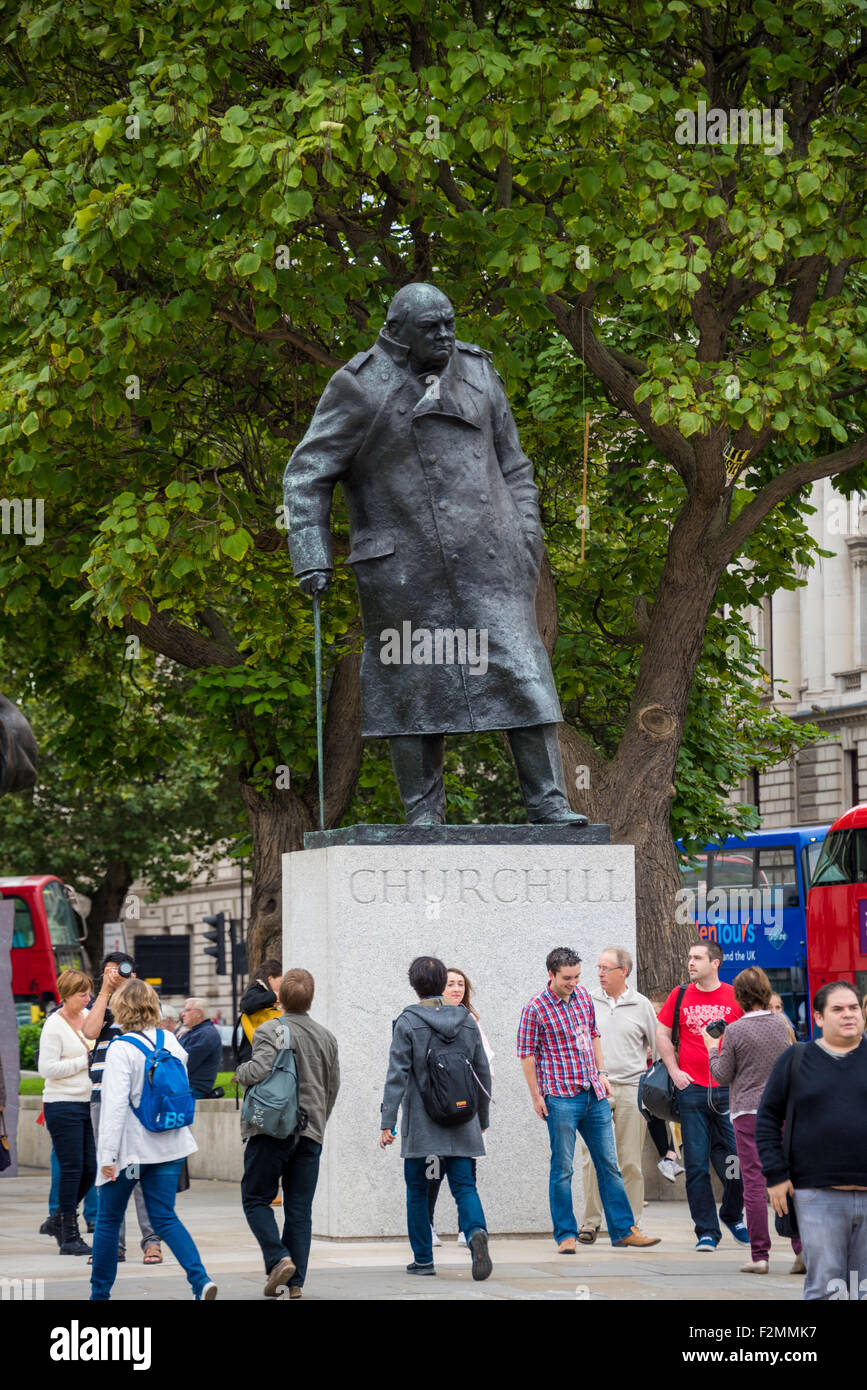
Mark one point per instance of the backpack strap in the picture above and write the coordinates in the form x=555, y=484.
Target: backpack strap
x=675, y=1023
x=141, y=1043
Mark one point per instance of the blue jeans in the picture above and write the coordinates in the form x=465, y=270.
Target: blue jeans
x=833, y=1229
x=159, y=1182
x=584, y=1114
x=708, y=1138
x=90, y=1201
x=459, y=1172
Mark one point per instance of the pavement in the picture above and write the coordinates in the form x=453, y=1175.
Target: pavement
x=525, y=1267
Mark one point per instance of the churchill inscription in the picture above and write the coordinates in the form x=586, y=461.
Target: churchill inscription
x=518, y=886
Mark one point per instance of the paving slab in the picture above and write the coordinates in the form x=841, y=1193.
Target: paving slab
x=526, y=1268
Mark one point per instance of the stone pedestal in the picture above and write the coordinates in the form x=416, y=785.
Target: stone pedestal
x=360, y=903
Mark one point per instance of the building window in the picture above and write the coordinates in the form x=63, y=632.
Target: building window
x=852, y=788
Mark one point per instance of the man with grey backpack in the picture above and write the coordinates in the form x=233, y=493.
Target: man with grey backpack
x=290, y=1086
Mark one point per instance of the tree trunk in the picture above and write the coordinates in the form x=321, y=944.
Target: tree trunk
x=106, y=905
x=279, y=820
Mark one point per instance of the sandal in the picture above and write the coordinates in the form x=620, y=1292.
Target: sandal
x=587, y=1235
x=153, y=1255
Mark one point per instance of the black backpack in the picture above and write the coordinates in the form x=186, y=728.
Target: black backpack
x=450, y=1090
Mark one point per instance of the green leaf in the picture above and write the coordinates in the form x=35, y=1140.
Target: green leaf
x=237, y=544
x=102, y=136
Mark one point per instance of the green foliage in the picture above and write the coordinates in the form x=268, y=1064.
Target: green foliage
x=28, y=1042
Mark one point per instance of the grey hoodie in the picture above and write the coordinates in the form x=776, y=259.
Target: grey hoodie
x=420, y=1135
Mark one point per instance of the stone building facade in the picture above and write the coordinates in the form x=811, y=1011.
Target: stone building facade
x=815, y=652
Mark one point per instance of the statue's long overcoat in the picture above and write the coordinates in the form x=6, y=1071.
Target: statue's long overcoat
x=445, y=534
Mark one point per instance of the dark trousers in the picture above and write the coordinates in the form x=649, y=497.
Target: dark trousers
x=294, y=1162
x=708, y=1138
x=433, y=1189
x=68, y=1123
x=417, y=760
x=658, y=1131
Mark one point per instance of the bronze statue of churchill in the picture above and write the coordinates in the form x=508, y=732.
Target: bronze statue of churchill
x=445, y=539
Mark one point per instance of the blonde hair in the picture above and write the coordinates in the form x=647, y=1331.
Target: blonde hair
x=136, y=1006
x=73, y=982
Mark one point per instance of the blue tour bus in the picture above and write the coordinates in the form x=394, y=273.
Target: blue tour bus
x=750, y=895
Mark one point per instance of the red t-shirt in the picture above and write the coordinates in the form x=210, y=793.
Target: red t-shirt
x=698, y=1008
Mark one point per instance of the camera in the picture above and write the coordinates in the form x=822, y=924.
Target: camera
x=717, y=1028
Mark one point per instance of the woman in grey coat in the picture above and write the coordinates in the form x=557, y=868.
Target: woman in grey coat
x=424, y=1142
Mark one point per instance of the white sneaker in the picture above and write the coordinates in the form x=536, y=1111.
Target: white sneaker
x=462, y=1240
x=669, y=1168
x=755, y=1267
x=209, y=1292
x=434, y=1238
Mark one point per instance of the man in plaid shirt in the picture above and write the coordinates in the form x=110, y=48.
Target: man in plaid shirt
x=560, y=1052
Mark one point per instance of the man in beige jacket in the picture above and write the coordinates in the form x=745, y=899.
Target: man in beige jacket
x=627, y=1024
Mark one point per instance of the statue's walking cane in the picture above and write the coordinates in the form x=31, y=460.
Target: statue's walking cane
x=317, y=642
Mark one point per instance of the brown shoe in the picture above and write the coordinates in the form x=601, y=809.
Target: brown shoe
x=280, y=1274
x=294, y=1290
x=567, y=1246
x=638, y=1240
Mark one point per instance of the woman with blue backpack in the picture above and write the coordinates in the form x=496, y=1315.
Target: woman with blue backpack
x=144, y=1136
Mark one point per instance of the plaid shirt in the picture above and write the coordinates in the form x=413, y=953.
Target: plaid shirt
x=558, y=1034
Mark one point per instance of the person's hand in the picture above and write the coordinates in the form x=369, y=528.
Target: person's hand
x=682, y=1079
x=606, y=1086
x=540, y=1107
x=109, y=1172
x=110, y=979
x=316, y=582
x=386, y=1137
x=779, y=1195
x=711, y=1043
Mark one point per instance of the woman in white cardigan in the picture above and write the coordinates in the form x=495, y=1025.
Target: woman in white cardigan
x=128, y=1152
x=63, y=1061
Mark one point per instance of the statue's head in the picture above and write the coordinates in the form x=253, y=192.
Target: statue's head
x=422, y=318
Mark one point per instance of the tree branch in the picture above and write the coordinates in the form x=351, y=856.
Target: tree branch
x=181, y=643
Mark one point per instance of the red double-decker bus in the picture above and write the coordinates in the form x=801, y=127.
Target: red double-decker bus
x=837, y=906
x=47, y=938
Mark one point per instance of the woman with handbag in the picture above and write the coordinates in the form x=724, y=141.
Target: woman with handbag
x=743, y=1060
x=130, y=1152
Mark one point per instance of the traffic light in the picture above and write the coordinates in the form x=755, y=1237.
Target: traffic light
x=239, y=947
x=218, y=936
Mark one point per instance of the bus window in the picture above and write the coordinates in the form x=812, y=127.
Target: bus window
x=844, y=858
x=23, y=933
x=61, y=920
x=777, y=871
x=733, y=868
x=694, y=875
x=810, y=855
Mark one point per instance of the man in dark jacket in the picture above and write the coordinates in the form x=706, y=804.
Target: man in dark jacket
x=825, y=1171
x=203, y=1047
x=446, y=550
x=430, y=1149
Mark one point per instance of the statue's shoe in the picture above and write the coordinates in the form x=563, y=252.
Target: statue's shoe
x=426, y=819
x=565, y=818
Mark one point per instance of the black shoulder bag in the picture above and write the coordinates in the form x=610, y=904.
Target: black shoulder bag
x=657, y=1093
x=788, y=1225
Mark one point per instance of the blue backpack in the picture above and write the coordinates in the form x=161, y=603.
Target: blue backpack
x=166, y=1099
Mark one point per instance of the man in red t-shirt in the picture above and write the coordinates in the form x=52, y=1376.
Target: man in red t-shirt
x=708, y=1136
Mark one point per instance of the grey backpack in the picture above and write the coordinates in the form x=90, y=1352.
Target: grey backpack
x=272, y=1105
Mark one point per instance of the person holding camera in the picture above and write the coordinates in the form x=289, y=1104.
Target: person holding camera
x=703, y=1106
x=100, y=1027
x=743, y=1060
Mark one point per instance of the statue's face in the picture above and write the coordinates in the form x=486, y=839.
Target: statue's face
x=429, y=333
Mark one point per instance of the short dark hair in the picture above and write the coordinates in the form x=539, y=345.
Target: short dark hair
x=267, y=968
x=821, y=997
x=117, y=958
x=752, y=989
x=296, y=991
x=561, y=958
x=428, y=976
x=713, y=948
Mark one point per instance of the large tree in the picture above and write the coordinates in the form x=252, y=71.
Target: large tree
x=206, y=209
